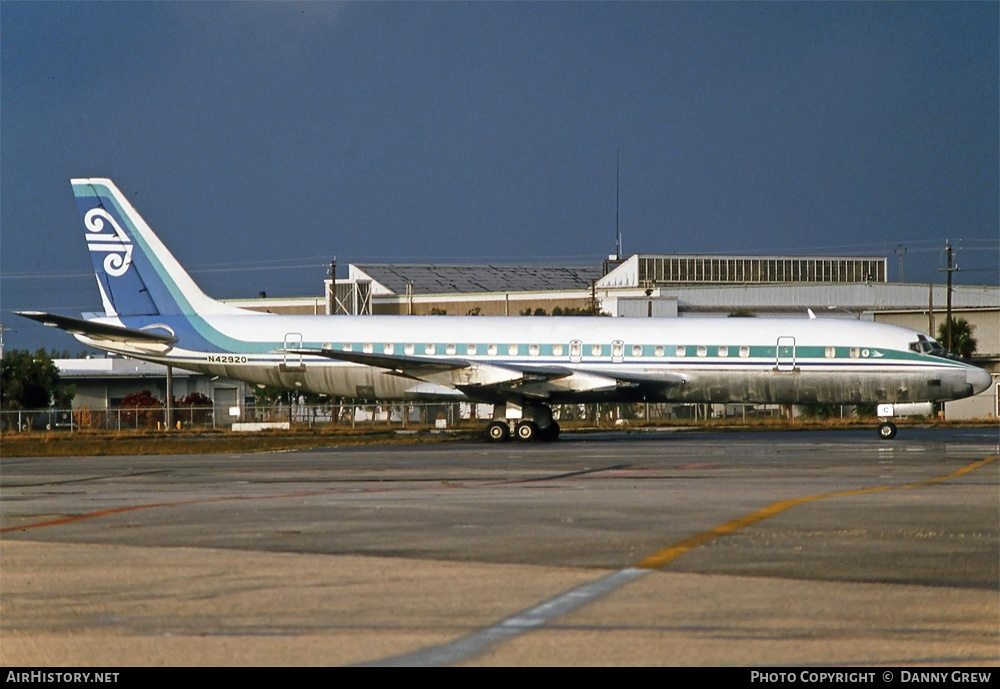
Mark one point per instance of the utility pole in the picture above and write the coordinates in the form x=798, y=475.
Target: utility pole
x=169, y=417
x=900, y=251
x=950, y=269
x=331, y=298
x=930, y=310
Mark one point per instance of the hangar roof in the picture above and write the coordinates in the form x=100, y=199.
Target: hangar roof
x=444, y=279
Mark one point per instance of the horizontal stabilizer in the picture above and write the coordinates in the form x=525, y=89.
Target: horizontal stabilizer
x=97, y=331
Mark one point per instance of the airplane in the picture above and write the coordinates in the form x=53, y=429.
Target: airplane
x=154, y=311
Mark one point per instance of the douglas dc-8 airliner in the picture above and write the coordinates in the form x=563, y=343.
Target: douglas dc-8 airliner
x=154, y=311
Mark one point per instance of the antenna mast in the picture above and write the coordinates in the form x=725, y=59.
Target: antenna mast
x=618, y=234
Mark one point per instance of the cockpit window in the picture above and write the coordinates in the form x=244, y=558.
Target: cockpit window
x=926, y=345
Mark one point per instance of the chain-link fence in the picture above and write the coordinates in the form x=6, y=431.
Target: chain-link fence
x=354, y=415
x=223, y=417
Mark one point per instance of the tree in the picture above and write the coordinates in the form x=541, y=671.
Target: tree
x=31, y=381
x=270, y=395
x=195, y=408
x=592, y=310
x=819, y=411
x=141, y=409
x=962, y=341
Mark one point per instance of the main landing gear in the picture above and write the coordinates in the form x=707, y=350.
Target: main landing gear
x=528, y=431
x=535, y=424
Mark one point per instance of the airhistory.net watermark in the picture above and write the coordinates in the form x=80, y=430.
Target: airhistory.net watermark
x=50, y=677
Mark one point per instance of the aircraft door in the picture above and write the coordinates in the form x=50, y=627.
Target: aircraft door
x=292, y=361
x=617, y=351
x=785, y=360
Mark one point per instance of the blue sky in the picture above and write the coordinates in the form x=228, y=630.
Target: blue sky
x=262, y=139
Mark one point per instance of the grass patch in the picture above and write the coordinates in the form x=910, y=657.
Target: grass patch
x=103, y=443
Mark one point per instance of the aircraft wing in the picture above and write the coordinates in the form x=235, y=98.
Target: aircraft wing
x=505, y=380
x=451, y=372
x=98, y=331
x=393, y=362
x=660, y=378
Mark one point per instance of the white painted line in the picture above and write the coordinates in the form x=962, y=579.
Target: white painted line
x=527, y=620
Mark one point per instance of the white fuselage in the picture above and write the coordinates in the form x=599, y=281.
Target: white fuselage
x=679, y=359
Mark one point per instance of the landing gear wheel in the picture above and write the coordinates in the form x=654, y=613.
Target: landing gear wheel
x=550, y=433
x=527, y=431
x=887, y=430
x=498, y=431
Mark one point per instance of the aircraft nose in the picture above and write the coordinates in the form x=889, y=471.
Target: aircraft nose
x=978, y=378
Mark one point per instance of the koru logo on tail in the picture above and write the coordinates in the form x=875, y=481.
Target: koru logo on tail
x=117, y=244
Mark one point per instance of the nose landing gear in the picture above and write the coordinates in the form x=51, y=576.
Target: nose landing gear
x=887, y=430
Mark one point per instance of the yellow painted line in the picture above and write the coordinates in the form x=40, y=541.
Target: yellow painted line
x=668, y=555
x=179, y=503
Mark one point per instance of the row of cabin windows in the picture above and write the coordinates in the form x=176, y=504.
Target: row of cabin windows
x=576, y=350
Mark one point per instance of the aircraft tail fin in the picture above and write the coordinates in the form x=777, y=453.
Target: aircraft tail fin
x=136, y=273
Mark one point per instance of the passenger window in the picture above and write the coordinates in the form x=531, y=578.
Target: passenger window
x=855, y=352
x=831, y=352
x=702, y=350
x=744, y=351
x=430, y=349
x=533, y=350
x=636, y=350
x=491, y=350
x=388, y=348
x=348, y=347
x=408, y=348
x=659, y=350
x=368, y=348
x=449, y=349
x=595, y=350
x=512, y=350
x=470, y=349
x=723, y=351
x=557, y=350
x=681, y=350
